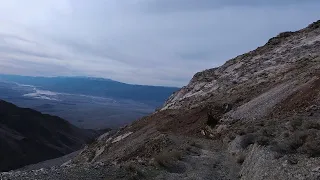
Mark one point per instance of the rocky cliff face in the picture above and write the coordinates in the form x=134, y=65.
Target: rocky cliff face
x=256, y=117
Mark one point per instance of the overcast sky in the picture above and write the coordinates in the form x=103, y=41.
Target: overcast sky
x=157, y=42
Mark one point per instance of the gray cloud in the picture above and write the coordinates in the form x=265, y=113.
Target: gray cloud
x=207, y=5
x=160, y=42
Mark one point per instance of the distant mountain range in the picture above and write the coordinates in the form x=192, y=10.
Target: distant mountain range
x=86, y=102
x=151, y=95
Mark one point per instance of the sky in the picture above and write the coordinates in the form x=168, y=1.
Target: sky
x=154, y=42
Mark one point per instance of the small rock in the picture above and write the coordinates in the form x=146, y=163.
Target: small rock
x=203, y=132
x=317, y=169
x=292, y=161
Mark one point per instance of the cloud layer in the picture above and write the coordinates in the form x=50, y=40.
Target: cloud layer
x=159, y=42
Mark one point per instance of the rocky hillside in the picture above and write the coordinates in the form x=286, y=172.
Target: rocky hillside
x=254, y=118
x=27, y=136
x=284, y=58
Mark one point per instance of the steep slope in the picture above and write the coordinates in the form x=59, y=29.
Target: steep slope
x=256, y=117
x=280, y=60
x=27, y=136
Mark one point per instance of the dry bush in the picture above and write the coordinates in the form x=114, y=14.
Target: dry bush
x=311, y=125
x=296, y=123
x=305, y=138
x=311, y=146
x=135, y=172
x=262, y=140
x=194, y=144
x=170, y=161
x=299, y=134
x=246, y=140
x=240, y=158
x=168, y=158
x=290, y=144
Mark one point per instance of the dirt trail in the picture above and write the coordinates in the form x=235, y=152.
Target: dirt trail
x=205, y=160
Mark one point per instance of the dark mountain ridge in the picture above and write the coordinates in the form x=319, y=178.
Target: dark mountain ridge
x=28, y=136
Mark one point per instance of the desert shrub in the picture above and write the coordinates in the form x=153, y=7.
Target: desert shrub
x=296, y=123
x=262, y=140
x=246, y=140
x=240, y=158
x=277, y=155
x=306, y=140
x=241, y=132
x=166, y=158
x=285, y=134
x=273, y=41
x=285, y=34
x=188, y=148
x=311, y=146
x=170, y=161
x=193, y=150
x=311, y=125
x=278, y=147
x=232, y=136
x=277, y=40
x=289, y=144
x=314, y=25
x=194, y=144
x=250, y=129
x=297, y=140
x=135, y=172
x=271, y=123
x=267, y=132
x=261, y=124
x=91, y=141
x=301, y=134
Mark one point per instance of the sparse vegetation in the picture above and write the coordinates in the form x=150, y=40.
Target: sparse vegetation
x=290, y=144
x=304, y=140
x=135, y=172
x=241, y=158
x=312, y=125
x=232, y=136
x=262, y=140
x=314, y=25
x=170, y=161
x=166, y=158
x=193, y=149
x=285, y=34
x=194, y=144
x=299, y=134
x=296, y=123
x=246, y=140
